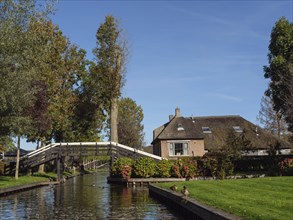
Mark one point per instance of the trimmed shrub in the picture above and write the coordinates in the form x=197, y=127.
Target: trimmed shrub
x=163, y=169
x=122, y=167
x=215, y=164
x=144, y=167
x=286, y=167
x=189, y=168
x=207, y=166
x=176, y=168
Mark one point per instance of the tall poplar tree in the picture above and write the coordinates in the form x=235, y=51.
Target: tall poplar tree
x=111, y=53
x=280, y=69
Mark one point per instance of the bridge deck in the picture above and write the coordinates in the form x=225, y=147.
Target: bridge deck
x=57, y=150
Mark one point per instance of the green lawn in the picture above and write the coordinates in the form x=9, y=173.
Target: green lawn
x=8, y=181
x=260, y=198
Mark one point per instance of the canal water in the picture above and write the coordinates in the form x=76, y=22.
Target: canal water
x=84, y=197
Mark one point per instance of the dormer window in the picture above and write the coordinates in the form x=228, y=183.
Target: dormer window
x=238, y=129
x=206, y=130
x=180, y=127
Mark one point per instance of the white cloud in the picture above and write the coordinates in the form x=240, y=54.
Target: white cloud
x=228, y=97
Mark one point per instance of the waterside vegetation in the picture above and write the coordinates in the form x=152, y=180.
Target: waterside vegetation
x=9, y=181
x=215, y=165
x=258, y=198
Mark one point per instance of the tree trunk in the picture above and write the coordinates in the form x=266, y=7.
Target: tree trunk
x=17, y=157
x=114, y=121
x=42, y=166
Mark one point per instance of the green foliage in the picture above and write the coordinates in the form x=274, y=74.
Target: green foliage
x=144, y=167
x=7, y=181
x=6, y=144
x=163, y=168
x=286, y=167
x=184, y=168
x=207, y=166
x=109, y=71
x=1, y=167
x=215, y=165
x=273, y=152
x=122, y=167
x=130, y=127
x=280, y=69
x=17, y=67
x=259, y=198
x=189, y=168
x=235, y=145
x=110, y=54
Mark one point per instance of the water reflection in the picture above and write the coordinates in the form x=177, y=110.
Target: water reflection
x=84, y=197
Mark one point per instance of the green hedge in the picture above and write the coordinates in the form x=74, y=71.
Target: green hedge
x=213, y=165
x=144, y=167
x=272, y=165
x=216, y=165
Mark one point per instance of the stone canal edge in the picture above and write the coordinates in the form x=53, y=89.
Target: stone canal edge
x=187, y=207
x=15, y=189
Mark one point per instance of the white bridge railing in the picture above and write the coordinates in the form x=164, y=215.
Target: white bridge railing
x=55, y=146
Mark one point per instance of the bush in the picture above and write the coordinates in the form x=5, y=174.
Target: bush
x=144, y=167
x=163, y=169
x=216, y=164
x=176, y=168
x=286, y=167
x=1, y=167
x=189, y=168
x=122, y=167
x=207, y=166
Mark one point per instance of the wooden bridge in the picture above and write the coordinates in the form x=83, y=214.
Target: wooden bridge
x=58, y=151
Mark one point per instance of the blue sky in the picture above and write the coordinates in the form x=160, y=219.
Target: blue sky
x=205, y=57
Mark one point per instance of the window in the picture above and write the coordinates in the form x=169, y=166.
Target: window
x=206, y=130
x=178, y=149
x=180, y=127
x=238, y=129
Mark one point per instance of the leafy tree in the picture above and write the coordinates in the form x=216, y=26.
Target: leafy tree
x=271, y=120
x=280, y=69
x=89, y=117
x=16, y=94
x=6, y=143
x=130, y=127
x=236, y=144
x=60, y=66
x=111, y=53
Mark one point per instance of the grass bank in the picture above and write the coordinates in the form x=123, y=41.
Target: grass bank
x=260, y=198
x=8, y=181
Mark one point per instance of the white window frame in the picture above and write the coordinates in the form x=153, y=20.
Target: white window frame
x=171, y=147
x=206, y=130
x=238, y=129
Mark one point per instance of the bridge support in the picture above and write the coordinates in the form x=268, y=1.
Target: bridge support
x=59, y=169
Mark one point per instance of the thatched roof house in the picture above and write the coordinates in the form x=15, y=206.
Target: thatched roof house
x=187, y=136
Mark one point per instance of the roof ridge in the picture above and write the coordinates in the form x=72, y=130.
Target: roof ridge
x=215, y=116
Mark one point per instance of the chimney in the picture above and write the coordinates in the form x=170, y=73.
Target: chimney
x=177, y=112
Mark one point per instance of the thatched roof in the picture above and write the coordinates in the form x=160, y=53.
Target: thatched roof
x=217, y=130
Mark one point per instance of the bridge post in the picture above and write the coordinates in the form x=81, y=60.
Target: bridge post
x=59, y=171
x=59, y=165
x=111, y=156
